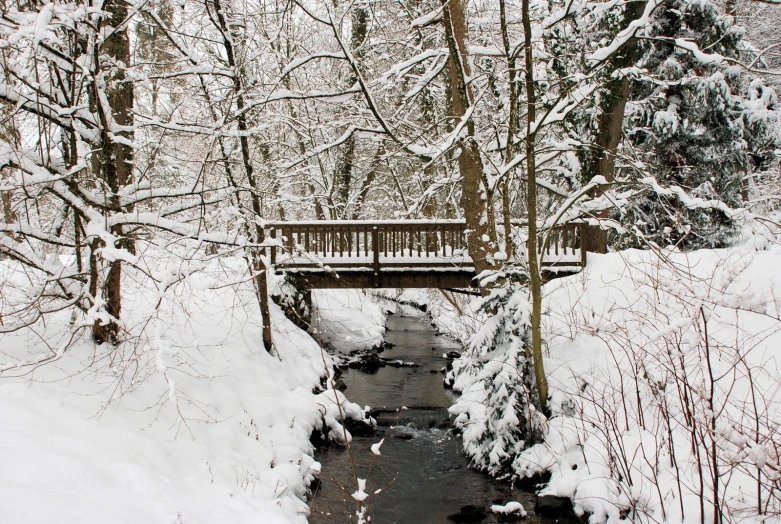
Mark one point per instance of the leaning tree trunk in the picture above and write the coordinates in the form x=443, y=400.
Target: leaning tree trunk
x=115, y=159
x=476, y=196
x=257, y=264
x=610, y=128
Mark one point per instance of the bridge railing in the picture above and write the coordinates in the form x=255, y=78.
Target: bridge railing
x=402, y=243
x=564, y=247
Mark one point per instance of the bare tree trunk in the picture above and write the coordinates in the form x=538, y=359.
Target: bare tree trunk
x=10, y=134
x=367, y=182
x=258, y=265
x=476, y=196
x=343, y=177
x=531, y=206
x=512, y=130
x=115, y=159
x=610, y=128
x=8, y=213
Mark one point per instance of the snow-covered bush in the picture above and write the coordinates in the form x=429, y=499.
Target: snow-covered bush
x=497, y=411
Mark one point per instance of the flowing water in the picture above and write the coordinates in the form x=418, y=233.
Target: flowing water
x=422, y=473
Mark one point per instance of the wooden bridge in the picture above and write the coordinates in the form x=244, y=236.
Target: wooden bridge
x=398, y=254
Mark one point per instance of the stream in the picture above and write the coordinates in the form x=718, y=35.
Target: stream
x=422, y=472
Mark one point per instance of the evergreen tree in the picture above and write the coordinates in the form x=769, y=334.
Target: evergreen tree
x=496, y=377
x=691, y=123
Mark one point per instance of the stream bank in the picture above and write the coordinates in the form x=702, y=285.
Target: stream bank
x=422, y=473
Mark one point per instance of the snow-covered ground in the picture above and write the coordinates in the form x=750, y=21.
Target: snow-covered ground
x=643, y=349
x=191, y=422
x=347, y=319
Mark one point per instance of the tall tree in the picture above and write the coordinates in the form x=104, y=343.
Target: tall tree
x=112, y=95
x=614, y=94
x=695, y=123
x=533, y=257
x=476, y=194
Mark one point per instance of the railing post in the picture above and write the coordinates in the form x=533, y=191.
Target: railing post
x=582, y=233
x=376, y=253
x=273, y=234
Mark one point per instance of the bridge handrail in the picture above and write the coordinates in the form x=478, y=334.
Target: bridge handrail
x=435, y=238
x=370, y=223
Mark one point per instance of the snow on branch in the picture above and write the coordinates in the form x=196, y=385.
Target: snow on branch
x=694, y=202
x=429, y=18
x=295, y=64
x=602, y=54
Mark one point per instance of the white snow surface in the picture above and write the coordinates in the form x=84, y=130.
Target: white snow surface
x=511, y=508
x=192, y=422
x=347, y=319
x=622, y=339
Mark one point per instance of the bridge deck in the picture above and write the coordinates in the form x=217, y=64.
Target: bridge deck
x=397, y=254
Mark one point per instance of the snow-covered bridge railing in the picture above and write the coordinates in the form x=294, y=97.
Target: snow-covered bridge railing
x=396, y=253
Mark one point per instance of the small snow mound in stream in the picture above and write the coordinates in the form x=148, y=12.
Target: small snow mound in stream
x=376, y=447
x=511, y=508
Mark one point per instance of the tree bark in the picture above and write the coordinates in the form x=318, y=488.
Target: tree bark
x=344, y=173
x=609, y=136
x=343, y=179
x=476, y=197
x=115, y=158
x=512, y=130
x=367, y=182
x=8, y=211
x=610, y=128
x=10, y=134
x=535, y=279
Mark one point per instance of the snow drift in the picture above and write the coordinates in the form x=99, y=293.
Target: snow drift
x=666, y=397
x=190, y=420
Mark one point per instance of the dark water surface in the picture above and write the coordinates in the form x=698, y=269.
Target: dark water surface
x=422, y=472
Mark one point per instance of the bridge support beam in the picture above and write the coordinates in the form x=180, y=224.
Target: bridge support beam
x=388, y=278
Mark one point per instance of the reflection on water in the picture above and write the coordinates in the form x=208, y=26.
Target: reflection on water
x=422, y=473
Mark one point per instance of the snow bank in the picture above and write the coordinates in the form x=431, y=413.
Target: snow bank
x=347, y=319
x=657, y=363
x=189, y=421
x=656, y=367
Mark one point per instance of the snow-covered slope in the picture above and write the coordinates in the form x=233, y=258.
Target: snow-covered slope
x=643, y=349
x=347, y=319
x=191, y=422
